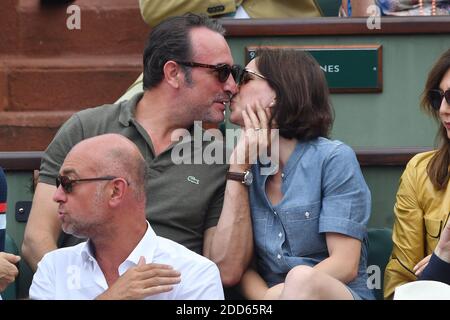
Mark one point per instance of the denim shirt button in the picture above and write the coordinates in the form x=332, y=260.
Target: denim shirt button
x=282, y=175
x=275, y=213
x=307, y=214
x=279, y=256
x=280, y=235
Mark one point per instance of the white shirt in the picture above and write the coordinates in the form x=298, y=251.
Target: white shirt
x=73, y=273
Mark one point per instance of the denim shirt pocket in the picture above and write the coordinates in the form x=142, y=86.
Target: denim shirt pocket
x=302, y=230
x=259, y=222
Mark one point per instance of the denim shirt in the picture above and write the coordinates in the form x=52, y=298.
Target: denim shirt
x=323, y=191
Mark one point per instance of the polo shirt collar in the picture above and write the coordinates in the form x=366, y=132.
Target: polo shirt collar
x=128, y=109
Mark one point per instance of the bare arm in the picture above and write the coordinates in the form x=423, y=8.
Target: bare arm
x=43, y=226
x=343, y=261
x=252, y=285
x=230, y=243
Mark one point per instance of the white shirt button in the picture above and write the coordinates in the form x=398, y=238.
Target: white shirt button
x=280, y=235
x=307, y=215
x=282, y=175
x=279, y=256
x=275, y=213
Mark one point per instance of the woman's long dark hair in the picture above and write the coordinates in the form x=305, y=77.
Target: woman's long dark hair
x=437, y=168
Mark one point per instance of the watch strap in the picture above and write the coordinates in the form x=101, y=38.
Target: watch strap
x=238, y=176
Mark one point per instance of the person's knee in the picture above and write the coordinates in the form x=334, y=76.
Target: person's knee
x=303, y=282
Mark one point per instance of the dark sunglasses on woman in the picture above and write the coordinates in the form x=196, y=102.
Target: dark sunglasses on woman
x=246, y=75
x=436, y=96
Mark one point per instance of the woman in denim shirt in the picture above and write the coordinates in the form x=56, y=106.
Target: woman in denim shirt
x=310, y=214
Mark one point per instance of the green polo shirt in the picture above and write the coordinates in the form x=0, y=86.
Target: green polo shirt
x=183, y=200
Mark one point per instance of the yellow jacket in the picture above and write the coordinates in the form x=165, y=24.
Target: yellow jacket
x=154, y=12
x=420, y=214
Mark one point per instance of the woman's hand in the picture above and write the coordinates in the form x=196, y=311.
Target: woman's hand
x=255, y=138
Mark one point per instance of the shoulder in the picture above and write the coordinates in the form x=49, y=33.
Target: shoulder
x=421, y=160
x=62, y=256
x=96, y=113
x=329, y=149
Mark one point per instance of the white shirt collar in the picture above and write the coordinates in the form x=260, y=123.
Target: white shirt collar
x=146, y=248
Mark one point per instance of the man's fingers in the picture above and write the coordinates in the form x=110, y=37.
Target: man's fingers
x=160, y=281
x=151, y=266
x=156, y=290
x=141, y=261
x=10, y=257
x=154, y=273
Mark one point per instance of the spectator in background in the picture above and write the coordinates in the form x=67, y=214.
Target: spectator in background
x=359, y=8
x=101, y=196
x=423, y=198
x=8, y=270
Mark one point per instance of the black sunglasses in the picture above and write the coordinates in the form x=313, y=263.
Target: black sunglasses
x=246, y=75
x=436, y=96
x=223, y=70
x=67, y=183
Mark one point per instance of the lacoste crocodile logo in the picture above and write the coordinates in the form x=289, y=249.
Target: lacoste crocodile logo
x=193, y=179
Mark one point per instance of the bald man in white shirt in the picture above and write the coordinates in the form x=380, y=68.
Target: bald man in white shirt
x=101, y=196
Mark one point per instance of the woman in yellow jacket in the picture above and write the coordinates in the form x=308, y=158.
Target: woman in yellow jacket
x=423, y=198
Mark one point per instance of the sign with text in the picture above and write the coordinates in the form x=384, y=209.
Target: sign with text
x=352, y=68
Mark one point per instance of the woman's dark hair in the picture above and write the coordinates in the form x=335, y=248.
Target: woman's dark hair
x=170, y=40
x=437, y=168
x=302, y=109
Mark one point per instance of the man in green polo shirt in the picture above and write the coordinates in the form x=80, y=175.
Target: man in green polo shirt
x=187, y=67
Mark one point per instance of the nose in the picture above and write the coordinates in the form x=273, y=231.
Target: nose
x=445, y=107
x=59, y=195
x=231, y=86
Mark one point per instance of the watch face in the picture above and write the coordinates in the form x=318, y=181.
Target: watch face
x=248, y=178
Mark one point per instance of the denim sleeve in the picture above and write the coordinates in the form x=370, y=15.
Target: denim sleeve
x=437, y=270
x=345, y=195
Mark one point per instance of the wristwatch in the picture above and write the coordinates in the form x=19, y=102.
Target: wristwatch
x=245, y=177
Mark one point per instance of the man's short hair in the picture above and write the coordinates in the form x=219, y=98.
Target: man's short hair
x=170, y=40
